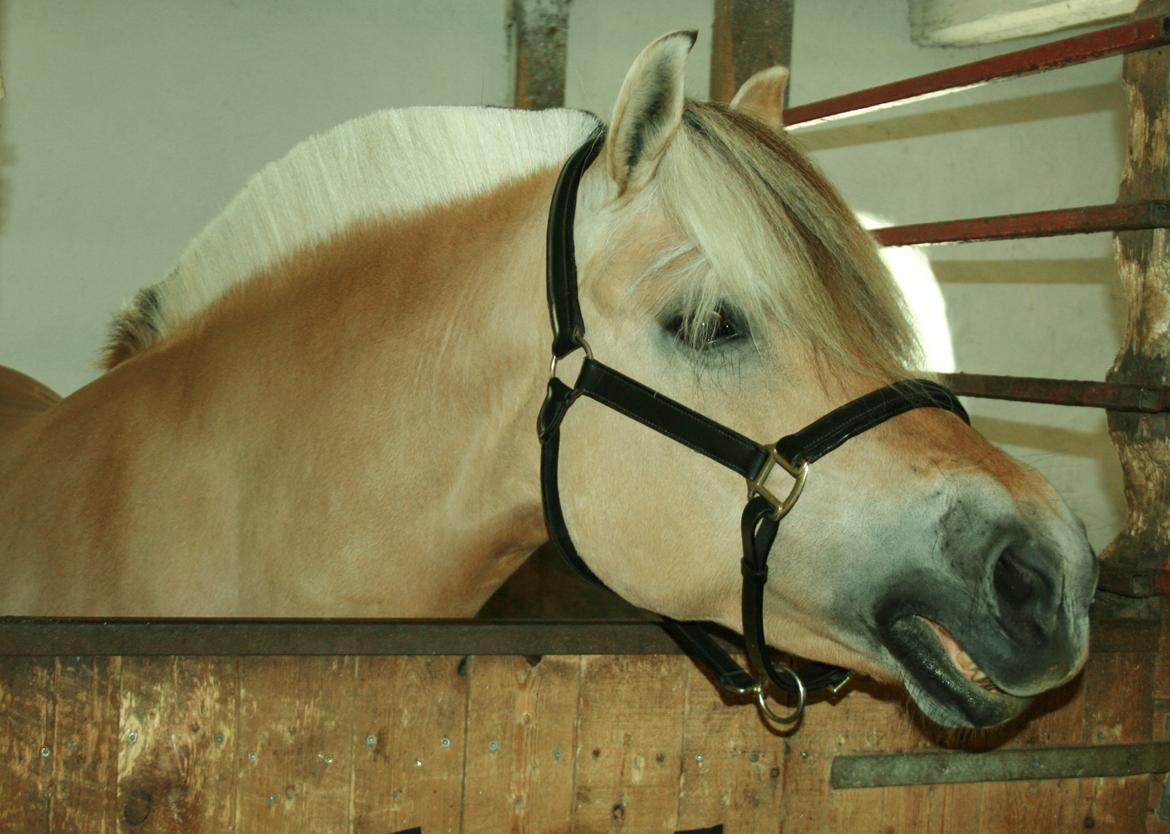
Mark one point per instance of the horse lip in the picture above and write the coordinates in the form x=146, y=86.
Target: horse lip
x=940, y=688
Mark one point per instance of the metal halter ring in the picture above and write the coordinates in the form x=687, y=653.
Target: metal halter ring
x=581, y=344
x=772, y=715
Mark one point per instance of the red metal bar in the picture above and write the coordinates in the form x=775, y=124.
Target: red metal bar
x=1114, y=396
x=1128, y=37
x=1154, y=214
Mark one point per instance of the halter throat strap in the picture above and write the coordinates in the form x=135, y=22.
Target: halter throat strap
x=753, y=461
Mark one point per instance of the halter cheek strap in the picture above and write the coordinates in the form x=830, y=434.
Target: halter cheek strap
x=763, y=512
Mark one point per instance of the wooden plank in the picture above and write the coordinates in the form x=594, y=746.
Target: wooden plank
x=871, y=717
x=977, y=22
x=629, y=744
x=1055, y=719
x=521, y=736
x=732, y=763
x=748, y=36
x=539, y=31
x=88, y=698
x=295, y=745
x=176, y=769
x=26, y=727
x=911, y=809
x=1118, y=709
x=410, y=743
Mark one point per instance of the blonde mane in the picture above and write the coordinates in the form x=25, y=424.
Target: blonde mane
x=394, y=162
x=740, y=192
x=760, y=196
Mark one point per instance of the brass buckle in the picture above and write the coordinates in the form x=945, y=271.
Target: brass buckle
x=799, y=474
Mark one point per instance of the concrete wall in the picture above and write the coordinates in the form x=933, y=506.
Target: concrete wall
x=128, y=125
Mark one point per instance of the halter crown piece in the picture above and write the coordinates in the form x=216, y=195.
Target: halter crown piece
x=753, y=461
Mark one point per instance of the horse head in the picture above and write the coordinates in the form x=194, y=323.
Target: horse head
x=718, y=265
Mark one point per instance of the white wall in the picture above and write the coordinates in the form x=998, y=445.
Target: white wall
x=129, y=123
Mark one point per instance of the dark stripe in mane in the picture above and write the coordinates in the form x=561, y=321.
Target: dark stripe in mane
x=134, y=329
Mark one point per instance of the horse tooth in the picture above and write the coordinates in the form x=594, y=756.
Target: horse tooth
x=964, y=662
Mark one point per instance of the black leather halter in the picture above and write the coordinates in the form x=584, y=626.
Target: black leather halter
x=754, y=461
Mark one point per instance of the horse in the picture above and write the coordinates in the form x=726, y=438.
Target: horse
x=327, y=408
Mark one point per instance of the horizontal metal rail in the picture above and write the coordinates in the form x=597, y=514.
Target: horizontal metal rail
x=235, y=637
x=1153, y=214
x=21, y=636
x=1113, y=396
x=1117, y=40
x=1030, y=763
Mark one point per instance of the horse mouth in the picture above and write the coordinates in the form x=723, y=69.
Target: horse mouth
x=944, y=680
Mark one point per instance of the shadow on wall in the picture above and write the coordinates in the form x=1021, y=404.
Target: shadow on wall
x=1042, y=271
x=1073, y=102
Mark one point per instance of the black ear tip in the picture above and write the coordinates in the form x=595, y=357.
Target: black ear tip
x=692, y=35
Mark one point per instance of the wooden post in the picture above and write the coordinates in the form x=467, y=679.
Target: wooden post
x=1143, y=262
x=748, y=36
x=539, y=32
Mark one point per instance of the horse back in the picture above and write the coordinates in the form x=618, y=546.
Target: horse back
x=22, y=397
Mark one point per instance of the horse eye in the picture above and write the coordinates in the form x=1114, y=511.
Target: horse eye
x=705, y=331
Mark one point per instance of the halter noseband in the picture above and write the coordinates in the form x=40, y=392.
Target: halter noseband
x=753, y=461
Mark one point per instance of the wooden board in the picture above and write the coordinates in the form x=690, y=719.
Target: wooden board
x=176, y=768
x=373, y=745
x=520, y=743
x=629, y=744
x=732, y=764
x=84, y=747
x=294, y=745
x=410, y=740
x=26, y=727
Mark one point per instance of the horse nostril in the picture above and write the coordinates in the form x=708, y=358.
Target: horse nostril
x=1021, y=582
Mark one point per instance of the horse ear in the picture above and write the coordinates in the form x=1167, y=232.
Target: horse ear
x=762, y=97
x=648, y=111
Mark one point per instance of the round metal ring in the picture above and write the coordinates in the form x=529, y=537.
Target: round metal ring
x=581, y=345
x=797, y=711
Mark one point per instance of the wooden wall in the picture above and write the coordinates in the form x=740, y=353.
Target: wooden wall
x=592, y=743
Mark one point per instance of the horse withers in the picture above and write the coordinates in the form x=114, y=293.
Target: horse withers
x=327, y=408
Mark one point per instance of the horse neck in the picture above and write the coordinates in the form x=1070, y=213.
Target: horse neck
x=402, y=364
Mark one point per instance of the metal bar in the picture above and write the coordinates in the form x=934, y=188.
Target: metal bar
x=1135, y=581
x=58, y=637
x=1114, y=396
x=886, y=770
x=1117, y=40
x=22, y=636
x=1152, y=214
